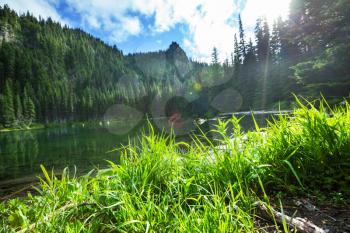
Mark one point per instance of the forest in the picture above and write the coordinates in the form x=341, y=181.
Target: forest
x=52, y=73
x=280, y=171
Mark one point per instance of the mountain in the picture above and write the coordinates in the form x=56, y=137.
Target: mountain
x=68, y=74
x=162, y=65
x=51, y=73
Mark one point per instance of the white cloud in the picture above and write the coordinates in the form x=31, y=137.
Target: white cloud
x=38, y=8
x=128, y=26
x=271, y=9
x=211, y=25
x=108, y=16
x=209, y=22
x=214, y=24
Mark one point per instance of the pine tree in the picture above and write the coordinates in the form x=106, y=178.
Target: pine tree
x=275, y=44
x=18, y=108
x=226, y=63
x=232, y=60
x=258, y=39
x=288, y=49
x=236, y=55
x=299, y=16
x=29, y=107
x=263, y=54
x=266, y=38
x=31, y=110
x=8, y=109
x=250, y=56
x=214, y=57
x=242, y=45
x=8, y=58
x=262, y=34
x=71, y=103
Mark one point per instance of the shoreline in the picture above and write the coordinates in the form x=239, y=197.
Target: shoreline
x=278, y=168
x=225, y=115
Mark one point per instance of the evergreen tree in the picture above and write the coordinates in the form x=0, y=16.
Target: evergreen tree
x=320, y=33
x=18, y=108
x=249, y=82
x=232, y=60
x=262, y=34
x=226, y=63
x=275, y=44
x=31, y=110
x=242, y=45
x=250, y=56
x=236, y=55
x=65, y=73
x=214, y=57
x=29, y=107
x=8, y=110
x=263, y=54
x=288, y=48
x=259, y=40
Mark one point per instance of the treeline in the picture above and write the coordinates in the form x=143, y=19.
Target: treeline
x=64, y=73
x=306, y=54
x=50, y=72
x=58, y=74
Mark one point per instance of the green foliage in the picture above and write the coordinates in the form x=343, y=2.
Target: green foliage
x=69, y=75
x=58, y=68
x=329, y=67
x=163, y=185
x=7, y=105
x=312, y=136
x=18, y=107
x=29, y=108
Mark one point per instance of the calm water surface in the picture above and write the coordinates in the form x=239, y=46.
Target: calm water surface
x=22, y=152
x=88, y=147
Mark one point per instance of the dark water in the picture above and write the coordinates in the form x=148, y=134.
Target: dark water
x=84, y=147
x=22, y=152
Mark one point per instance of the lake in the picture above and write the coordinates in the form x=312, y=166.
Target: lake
x=22, y=152
x=81, y=145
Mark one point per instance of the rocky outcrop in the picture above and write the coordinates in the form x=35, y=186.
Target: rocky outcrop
x=177, y=57
x=161, y=65
x=6, y=33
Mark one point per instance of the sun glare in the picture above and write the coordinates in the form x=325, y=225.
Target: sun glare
x=271, y=9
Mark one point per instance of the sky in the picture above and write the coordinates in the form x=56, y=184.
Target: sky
x=151, y=25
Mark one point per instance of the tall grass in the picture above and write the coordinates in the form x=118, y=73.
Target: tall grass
x=162, y=185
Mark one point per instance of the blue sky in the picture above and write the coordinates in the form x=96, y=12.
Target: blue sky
x=150, y=25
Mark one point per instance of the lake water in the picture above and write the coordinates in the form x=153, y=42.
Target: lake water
x=82, y=146
x=22, y=152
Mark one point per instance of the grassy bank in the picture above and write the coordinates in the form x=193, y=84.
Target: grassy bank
x=166, y=186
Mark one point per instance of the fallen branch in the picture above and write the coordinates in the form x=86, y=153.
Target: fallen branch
x=300, y=224
x=7, y=197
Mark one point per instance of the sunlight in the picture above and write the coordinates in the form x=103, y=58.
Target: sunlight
x=272, y=9
x=174, y=116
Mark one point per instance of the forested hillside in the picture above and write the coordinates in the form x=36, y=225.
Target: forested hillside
x=65, y=73
x=49, y=72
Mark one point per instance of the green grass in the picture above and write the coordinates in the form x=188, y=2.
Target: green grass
x=162, y=185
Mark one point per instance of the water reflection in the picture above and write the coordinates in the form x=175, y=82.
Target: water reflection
x=22, y=152
x=17, y=151
x=83, y=146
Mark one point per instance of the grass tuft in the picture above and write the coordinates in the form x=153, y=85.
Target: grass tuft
x=162, y=185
